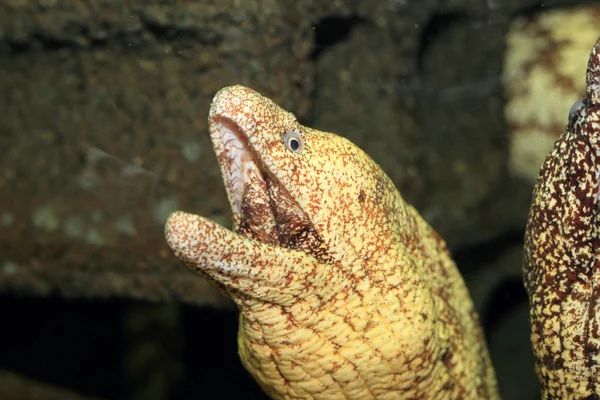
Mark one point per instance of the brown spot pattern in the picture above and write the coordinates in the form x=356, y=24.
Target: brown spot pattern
x=562, y=267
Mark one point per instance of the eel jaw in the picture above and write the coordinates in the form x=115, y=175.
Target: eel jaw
x=262, y=208
x=258, y=260
x=274, y=253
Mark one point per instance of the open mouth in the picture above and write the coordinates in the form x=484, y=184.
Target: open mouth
x=247, y=182
x=262, y=208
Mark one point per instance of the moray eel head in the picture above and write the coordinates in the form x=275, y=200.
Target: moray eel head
x=294, y=191
x=344, y=291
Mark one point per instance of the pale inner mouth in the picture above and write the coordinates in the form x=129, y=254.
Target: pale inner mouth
x=238, y=160
x=262, y=208
x=247, y=183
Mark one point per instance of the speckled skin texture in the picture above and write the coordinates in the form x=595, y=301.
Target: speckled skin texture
x=344, y=291
x=562, y=268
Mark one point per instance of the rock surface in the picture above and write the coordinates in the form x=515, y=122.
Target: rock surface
x=105, y=123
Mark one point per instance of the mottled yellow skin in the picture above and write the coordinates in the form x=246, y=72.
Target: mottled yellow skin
x=344, y=291
x=562, y=261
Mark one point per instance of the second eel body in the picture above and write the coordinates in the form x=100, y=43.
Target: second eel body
x=562, y=259
x=344, y=291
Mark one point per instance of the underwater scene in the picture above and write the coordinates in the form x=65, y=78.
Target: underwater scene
x=277, y=199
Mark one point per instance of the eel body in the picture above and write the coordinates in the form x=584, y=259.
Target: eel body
x=344, y=291
x=561, y=261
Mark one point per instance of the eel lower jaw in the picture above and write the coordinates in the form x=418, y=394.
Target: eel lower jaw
x=243, y=268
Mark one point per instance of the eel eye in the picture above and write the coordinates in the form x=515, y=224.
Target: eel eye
x=576, y=110
x=293, y=141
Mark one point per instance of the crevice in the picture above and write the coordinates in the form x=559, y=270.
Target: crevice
x=505, y=291
x=438, y=24
x=505, y=297
x=471, y=258
x=331, y=30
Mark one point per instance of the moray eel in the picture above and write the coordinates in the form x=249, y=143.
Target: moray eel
x=344, y=291
x=561, y=261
